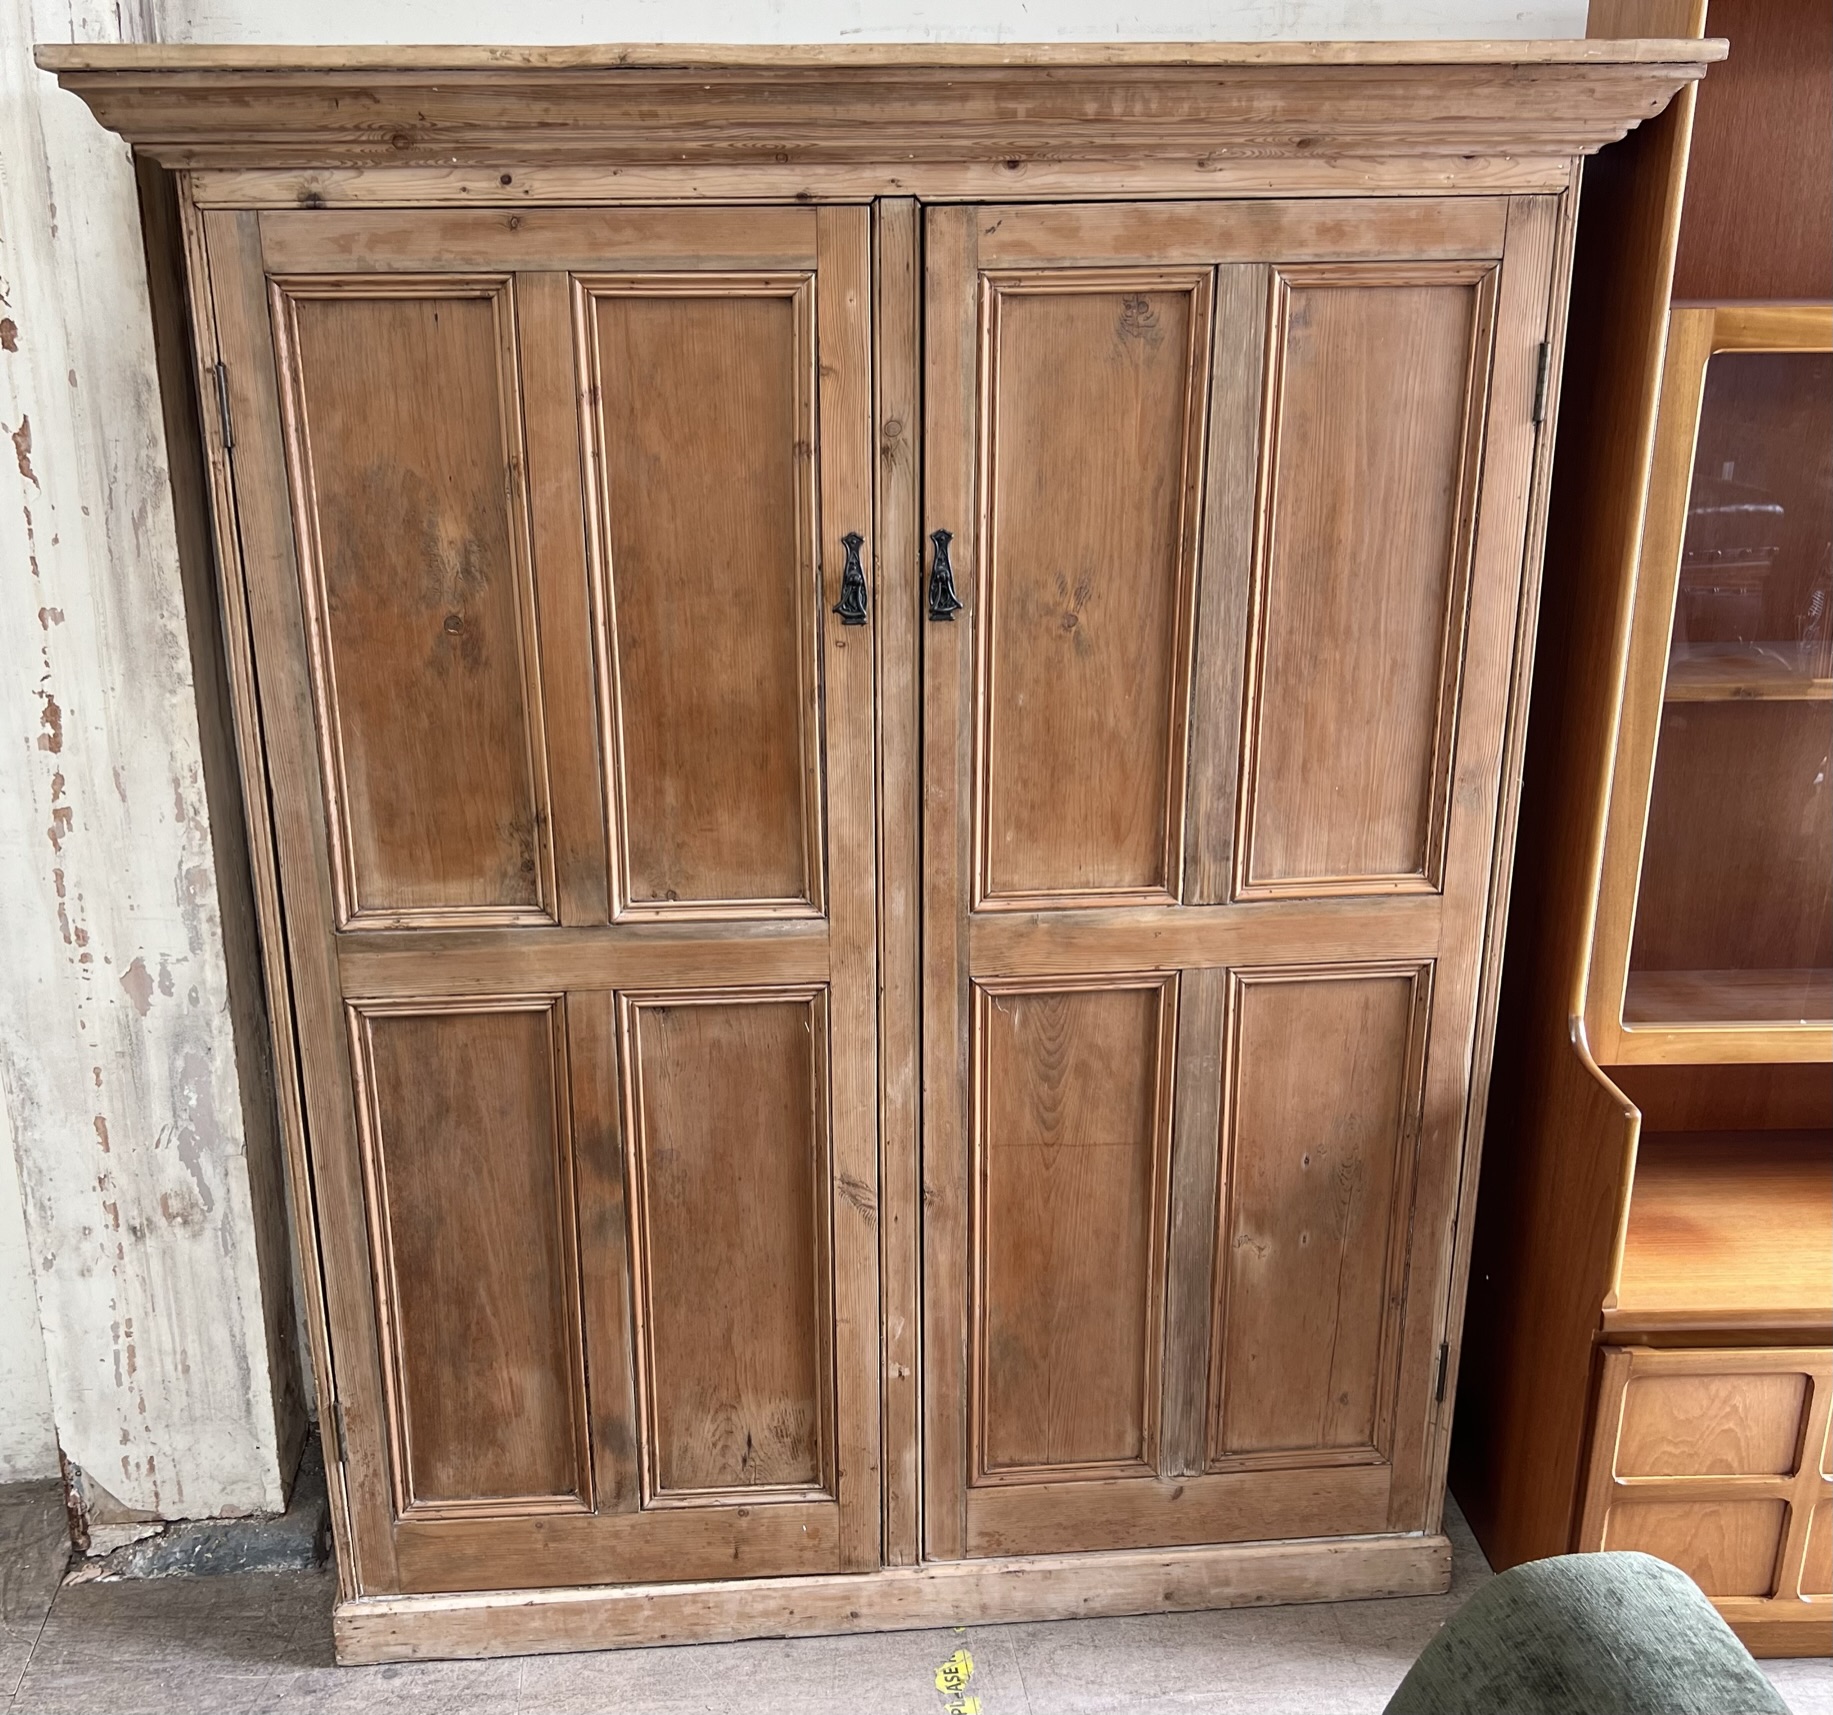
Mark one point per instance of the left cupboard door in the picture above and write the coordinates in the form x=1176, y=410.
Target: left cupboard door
x=543, y=519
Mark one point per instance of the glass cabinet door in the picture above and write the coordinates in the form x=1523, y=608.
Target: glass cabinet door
x=1734, y=915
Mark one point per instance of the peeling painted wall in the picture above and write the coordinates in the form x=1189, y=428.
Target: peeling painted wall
x=118, y=1059
x=28, y=1440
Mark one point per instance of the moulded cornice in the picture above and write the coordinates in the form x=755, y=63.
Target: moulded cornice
x=1289, y=113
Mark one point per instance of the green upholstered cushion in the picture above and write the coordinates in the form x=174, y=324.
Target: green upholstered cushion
x=1587, y=1634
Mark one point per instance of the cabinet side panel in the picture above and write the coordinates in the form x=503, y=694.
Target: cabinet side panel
x=472, y=1211
x=1322, y=1117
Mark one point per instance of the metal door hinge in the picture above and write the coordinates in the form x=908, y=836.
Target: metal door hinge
x=1444, y=1366
x=1543, y=377
x=222, y=406
x=332, y=1427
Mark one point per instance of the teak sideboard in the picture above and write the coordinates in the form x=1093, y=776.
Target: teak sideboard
x=878, y=694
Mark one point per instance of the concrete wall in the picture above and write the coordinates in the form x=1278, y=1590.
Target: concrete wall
x=131, y=1047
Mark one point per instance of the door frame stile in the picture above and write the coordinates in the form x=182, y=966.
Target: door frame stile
x=950, y=361
x=1563, y=244
x=281, y=693
x=897, y=352
x=264, y=859
x=843, y=363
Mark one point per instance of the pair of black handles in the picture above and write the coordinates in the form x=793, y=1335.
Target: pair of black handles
x=943, y=602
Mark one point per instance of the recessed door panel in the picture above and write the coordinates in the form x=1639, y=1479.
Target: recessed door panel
x=1073, y=1113
x=405, y=454
x=1817, y=1567
x=1375, y=377
x=471, y=1216
x=1094, y=394
x=727, y=1116
x=1713, y=1426
x=701, y=415
x=1320, y=1116
x=1727, y=1547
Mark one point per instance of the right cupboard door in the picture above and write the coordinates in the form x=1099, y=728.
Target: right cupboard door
x=1237, y=503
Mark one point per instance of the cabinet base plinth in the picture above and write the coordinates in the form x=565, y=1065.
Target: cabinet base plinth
x=899, y=1598
x=1807, y=1633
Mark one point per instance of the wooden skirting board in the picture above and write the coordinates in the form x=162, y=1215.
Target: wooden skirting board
x=901, y=1598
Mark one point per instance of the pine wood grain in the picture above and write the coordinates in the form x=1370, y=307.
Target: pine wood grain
x=843, y=289
x=727, y=1125
x=1311, y=1246
x=707, y=589
x=899, y=111
x=1093, y=446
x=411, y=507
x=985, y=1591
x=486, y=1366
x=1359, y=604
x=111, y=56
x=457, y=1538
x=898, y=604
x=1027, y=1439
x=1071, y=1110
x=327, y=1156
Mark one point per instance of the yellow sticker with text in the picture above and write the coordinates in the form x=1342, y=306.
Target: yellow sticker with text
x=953, y=1675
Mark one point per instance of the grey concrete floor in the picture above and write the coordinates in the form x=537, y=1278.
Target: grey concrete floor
x=261, y=1641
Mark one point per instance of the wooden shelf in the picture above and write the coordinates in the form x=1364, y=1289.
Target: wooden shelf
x=1716, y=998
x=1728, y=1230
x=1747, y=672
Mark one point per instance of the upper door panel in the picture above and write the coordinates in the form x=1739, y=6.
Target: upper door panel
x=1376, y=378
x=700, y=408
x=1095, y=383
x=403, y=423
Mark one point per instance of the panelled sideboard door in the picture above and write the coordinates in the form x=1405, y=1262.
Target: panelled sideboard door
x=545, y=517
x=1236, y=497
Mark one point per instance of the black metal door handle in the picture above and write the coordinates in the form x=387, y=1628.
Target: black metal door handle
x=943, y=602
x=852, y=603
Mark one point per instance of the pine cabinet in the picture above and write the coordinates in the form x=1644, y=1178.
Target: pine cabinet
x=878, y=694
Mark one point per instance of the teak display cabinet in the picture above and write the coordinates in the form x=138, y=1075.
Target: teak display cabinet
x=1649, y=1346
x=878, y=692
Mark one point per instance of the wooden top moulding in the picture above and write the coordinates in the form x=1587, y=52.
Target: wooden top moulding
x=1233, y=117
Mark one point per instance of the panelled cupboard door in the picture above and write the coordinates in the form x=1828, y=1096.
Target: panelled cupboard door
x=1236, y=499
x=545, y=517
